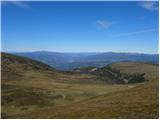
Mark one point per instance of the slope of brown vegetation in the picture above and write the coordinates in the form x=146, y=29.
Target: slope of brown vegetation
x=139, y=102
x=63, y=95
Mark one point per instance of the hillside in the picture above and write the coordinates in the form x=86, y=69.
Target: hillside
x=113, y=75
x=137, y=103
x=31, y=89
x=68, y=61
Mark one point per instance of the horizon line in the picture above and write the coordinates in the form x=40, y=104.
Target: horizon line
x=10, y=51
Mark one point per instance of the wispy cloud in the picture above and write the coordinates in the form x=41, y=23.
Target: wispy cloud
x=135, y=33
x=104, y=24
x=20, y=4
x=149, y=5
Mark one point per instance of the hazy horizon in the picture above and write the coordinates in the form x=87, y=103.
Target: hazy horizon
x=80, y=26
x=85, y=52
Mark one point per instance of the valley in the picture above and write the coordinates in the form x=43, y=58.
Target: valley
x=31, y=89
x=70, y=61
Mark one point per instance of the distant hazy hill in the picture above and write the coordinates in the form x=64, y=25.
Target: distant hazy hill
x=67, y=61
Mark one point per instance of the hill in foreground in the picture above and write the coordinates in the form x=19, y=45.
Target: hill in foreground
x=29, y=91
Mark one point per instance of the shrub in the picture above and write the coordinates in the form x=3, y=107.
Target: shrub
x=136, y=78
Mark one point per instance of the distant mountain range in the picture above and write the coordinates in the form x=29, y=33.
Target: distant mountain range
x=68, y=61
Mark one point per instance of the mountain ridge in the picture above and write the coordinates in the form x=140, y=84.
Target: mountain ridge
x=69, y=61
x=78, y=52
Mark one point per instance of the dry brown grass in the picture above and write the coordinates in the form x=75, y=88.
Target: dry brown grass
x=151, y=70
x=82, y=95
x=138, y=102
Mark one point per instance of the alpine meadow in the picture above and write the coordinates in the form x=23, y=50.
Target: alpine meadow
x=79, y=60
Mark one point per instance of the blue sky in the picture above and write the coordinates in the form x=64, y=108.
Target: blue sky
x=80, y=26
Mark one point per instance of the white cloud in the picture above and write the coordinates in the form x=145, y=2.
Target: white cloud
x=137, y=32
x=20, y=4
x=104, y=24
x=149, y=5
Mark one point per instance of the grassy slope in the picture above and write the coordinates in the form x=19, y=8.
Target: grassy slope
x=63, y=95
x=24, y=80
x=151, y=70
x=139, y=102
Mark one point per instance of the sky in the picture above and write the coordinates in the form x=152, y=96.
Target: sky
x=80, y=26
